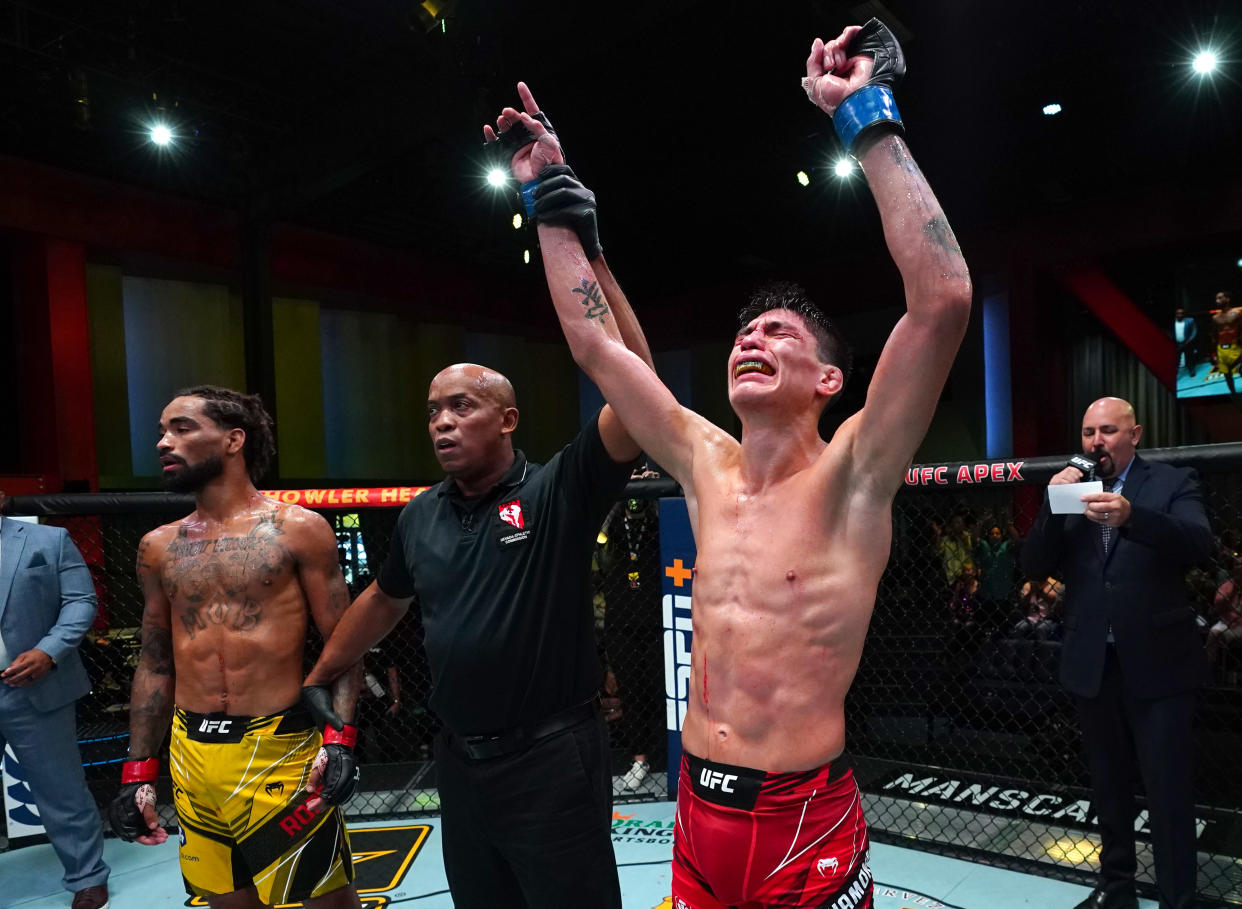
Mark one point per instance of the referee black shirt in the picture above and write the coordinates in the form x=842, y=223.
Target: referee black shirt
x=503, y=582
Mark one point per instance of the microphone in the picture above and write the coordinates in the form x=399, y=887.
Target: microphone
x=1085, y=464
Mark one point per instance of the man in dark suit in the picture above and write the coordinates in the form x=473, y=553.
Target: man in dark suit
x=1131, y=657
x=47, y=603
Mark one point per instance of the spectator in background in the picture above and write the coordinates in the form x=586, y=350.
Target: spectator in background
x=632, y=639
x=47, y=603
x=1186, y=333
x=996, y=564
x=956, y=545
x=1227, y=606
x=1040, y=605
x=1230, y=548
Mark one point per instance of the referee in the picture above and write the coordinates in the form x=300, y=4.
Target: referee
x=498, y=556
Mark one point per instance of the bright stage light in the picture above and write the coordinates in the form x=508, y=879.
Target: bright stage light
x=1205, y=61
x=517, y=221
x=1051, y=110
x=803, y=179
x=497, y=177
x=161, y=134
x=843, y=168
x=526, y=256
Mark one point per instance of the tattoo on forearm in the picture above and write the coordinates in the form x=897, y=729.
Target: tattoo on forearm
x=938, y=231
x=157, y=652
x=593, y=300
x=148, y=722
x=345, y=691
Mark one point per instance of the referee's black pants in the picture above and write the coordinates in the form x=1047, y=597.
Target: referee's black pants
x=1126, y=737
x=532, y=829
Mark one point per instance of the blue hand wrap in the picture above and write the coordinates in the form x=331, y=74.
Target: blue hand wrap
x=528, y=196
x=870, y=105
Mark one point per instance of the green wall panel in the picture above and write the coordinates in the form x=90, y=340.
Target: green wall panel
x=177, y=333
x=299, y=388
x=109, y=383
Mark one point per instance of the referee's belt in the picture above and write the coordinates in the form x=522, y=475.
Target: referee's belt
x=484, y=747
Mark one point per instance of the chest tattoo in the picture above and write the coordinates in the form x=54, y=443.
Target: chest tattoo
x=221, y=581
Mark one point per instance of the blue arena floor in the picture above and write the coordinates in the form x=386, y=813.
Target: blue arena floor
x=398, y=864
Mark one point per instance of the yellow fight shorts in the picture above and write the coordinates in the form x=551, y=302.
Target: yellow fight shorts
x=1227, y=356
x=239, y=789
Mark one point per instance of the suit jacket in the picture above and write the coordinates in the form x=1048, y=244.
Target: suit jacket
x=1138, y=588
x=47, y=602
x=1192, y=330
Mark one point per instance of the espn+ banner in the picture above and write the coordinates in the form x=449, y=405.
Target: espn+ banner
x=677, y=553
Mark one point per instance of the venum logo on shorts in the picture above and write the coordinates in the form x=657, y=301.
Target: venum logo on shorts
x=277, y=787
x=824, y=865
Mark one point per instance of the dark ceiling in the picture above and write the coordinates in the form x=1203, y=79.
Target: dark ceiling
x=685, y=116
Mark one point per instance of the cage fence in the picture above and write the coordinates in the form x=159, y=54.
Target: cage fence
x=961, y=737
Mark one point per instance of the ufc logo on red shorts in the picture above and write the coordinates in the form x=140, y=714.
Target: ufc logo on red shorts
x=714, y=779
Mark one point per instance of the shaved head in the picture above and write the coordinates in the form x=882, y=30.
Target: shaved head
x=486, y=383
x=1116, y=410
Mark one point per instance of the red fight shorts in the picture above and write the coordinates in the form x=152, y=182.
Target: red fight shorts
x=746, y=839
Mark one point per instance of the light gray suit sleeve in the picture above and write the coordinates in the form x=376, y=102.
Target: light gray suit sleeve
x=77, y=602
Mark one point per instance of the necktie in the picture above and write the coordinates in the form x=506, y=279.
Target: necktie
x=1106, y=530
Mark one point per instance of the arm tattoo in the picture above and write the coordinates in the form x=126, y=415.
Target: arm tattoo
x=338, y=598
x=142, y=563
x=157, y=650
x=593, y=300
x=938, y=231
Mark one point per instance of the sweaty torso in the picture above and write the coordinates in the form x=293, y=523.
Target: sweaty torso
x=1227, y=326
x=784, y=587
x=237, y=610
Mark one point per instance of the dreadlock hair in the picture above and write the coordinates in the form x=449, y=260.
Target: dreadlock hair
x=830, y=345
x=234, y=410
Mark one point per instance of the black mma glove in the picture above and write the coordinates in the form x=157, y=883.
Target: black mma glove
x=336, y=761
x=518, y=136
x=317, y=699
x=560, y=198
x=137, y=790
x=872, y=106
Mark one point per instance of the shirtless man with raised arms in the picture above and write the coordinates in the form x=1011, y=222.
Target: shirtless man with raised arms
x=792, y=532
x=227, y=594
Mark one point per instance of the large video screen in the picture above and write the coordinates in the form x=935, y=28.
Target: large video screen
x=1209, y=344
